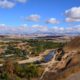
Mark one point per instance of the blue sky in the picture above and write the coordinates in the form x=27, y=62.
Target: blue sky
x=39, y=15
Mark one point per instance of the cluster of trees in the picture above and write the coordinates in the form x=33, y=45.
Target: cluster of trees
x=16, y=51
x=40, y=45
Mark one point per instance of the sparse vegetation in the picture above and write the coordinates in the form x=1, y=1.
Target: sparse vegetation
x=19, y=50
x=74, y=44
x=14, y=71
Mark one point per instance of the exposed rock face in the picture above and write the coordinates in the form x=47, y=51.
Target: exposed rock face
x=63, y=62
x=59, y=54
x=66, y=62
x=63, y=59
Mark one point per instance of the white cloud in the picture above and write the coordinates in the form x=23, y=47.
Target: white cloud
x=22, y=1
x=33, y=17
x=58, y=29
x=73, y=29
x=40, y=28
x=7, y=28
x=10, y=3
x=6, y=4
x=3, y=27
x=69, y=19
x=52, y=21
x=25, y=28
x=73, y=14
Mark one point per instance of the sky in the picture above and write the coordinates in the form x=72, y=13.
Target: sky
x=29, y=16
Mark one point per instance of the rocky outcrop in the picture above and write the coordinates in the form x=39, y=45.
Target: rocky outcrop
x=66, y=62
x=59, y=54
x=62, y=61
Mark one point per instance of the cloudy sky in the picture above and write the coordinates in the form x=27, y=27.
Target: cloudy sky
x=28, y=16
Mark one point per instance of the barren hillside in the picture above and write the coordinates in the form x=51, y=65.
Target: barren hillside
x=74, y=44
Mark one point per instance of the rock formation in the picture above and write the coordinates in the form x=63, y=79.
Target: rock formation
x=66, y=62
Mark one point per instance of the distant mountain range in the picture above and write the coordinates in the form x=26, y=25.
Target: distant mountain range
x=39, y=33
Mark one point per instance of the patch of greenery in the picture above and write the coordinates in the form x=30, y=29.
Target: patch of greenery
x=15, y=71
x=41, y=45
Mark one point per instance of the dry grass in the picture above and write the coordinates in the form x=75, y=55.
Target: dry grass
x=74, y=44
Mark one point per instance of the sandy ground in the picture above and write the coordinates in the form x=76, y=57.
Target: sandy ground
x=33, y=59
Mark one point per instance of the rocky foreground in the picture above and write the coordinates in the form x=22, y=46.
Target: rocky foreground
x=66, y=63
